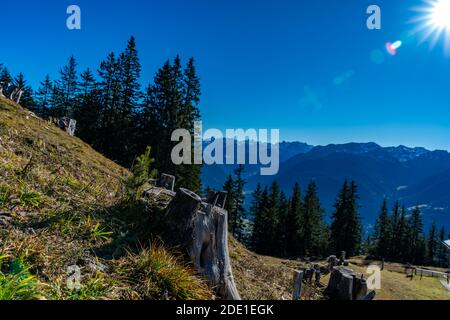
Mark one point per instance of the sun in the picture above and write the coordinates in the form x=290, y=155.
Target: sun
x=440, y=14
x=434, y=21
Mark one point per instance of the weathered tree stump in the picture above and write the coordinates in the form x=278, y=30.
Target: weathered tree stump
x=345, y=284
x=202, y=230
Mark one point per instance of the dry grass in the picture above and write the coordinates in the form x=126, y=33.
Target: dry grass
x=65, y=205
x=266, y=278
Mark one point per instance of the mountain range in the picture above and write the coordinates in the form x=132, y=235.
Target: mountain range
x=414, y=176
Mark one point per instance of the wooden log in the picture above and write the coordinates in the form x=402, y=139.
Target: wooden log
x=298, y=282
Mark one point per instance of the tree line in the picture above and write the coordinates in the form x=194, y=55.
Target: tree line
x=118, y=117
x=399, y=236
x=295, y=226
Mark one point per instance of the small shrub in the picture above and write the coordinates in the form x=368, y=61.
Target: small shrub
x=142, y=173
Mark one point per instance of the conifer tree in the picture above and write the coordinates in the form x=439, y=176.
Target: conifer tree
x=383, y=232
x=293, y=223
x=432, y=245
x=228, y=187
x=417, y=241
x=442, y=250
x=67, y=90
x=346, y=226
x=396, y=232
x=402, y=235
x=314, y=232
x=27, y=100
x=262, y=228
x=5, y=78
x=44, y=97
x=238, y=215
x=89, y=110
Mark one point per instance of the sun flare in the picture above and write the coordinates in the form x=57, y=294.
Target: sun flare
x=434, y=21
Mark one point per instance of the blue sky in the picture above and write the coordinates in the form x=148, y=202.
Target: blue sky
x=304, y=67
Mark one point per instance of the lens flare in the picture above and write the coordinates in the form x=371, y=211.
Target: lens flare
x=393, y=47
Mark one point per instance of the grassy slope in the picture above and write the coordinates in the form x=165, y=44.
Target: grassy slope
x=266, y=278
x=396, y=286
x=64, y=205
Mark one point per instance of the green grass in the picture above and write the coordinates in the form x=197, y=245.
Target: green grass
x=4, y=195
x=17, y=283
x=30, y=199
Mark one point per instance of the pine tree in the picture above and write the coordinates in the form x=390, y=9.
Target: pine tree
x=67, y=90
x=171, y=103
x=273, y=219
x=188, y=115
x=89, y=110
x=432, y=245
x=402, y=234
x=417, y=241
x=44, y=97
x=228, y=187
x=255, y=214
x=262, y=228
x=5, y=78
x=27, y=100
x=442, y=250
x=293, y=223
x=383, y=232
x=282, y=226
x=346, y=226
x=239, y=185
x=314, y=232
x=396, y=232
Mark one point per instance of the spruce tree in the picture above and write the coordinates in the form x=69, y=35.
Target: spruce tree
x=273, y=219
x=402, y=236
x=171, y=103
x=67, y=90
x=432, y=245
x=5, y=78
x=44, y=97
x=293, y=223
x=396, y=232
x=263, y=228
x=27, y=100
x=314, y=234
x=442, y=250
x=239, y=185
x=228, y=187
x=89, y=110
x=255, y=214
x=346, y=226
x=417, y=241
x=383, y=232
